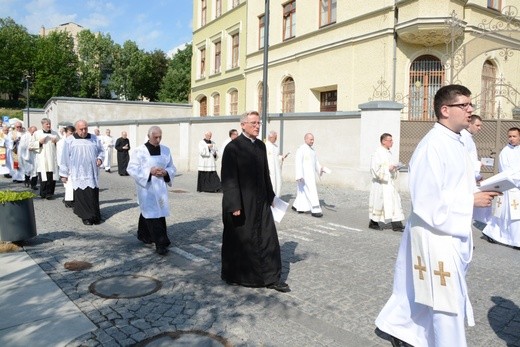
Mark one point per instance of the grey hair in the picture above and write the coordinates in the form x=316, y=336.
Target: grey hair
x=154, y=129
x=244, y=116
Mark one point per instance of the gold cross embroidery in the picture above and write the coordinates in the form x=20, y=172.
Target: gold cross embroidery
x=514, y=204
x=420, y=267
x=441, y=273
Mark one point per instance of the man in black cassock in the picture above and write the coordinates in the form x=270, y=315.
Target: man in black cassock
x=250, y=248
x=122, y=147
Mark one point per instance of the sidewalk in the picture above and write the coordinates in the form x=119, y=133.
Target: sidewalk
x=340, y=273
x=35, y=312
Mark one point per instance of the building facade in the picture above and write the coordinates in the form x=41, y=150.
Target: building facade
x=333, y=55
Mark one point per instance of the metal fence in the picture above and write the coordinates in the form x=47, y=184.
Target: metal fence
x=490, y=140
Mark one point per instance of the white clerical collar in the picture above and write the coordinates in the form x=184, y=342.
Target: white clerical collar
x=447, y=131
x=252, y=139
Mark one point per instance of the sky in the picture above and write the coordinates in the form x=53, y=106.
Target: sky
x=152, y=24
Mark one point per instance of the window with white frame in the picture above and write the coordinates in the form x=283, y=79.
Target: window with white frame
x=203, y=107
x=289, y=20
x=218, y=8
x=235, y=49
x=261, y=29
x=202, y=62
x=327, y=12
x=233, y=102
x=203, y=12
x=216, y=104
x=495, y=4
x=217, y=46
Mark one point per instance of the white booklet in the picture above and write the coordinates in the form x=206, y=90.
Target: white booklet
x=501, y=182
x=278, y=208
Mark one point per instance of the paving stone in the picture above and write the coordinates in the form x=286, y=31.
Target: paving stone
x=340, y=273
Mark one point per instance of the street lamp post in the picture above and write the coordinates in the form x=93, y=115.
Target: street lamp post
x=264, y=84
x=27, y=80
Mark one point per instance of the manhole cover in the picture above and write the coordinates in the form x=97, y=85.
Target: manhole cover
x=179, y=191
x=185, y=338
x=125, y=287
x=77, y=265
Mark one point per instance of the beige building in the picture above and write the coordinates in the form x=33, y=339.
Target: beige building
x=71, y=28
x=333, y=55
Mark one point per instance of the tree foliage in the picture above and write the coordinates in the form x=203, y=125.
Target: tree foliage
x=95, y=68
x=17, y=51
x=56, y=67
x=95, y=53
x=176, y=85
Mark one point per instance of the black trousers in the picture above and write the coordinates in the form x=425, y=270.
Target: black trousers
x=47, y=187
x=153, y=230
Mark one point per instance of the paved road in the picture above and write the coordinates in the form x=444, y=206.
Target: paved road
x=340, y=273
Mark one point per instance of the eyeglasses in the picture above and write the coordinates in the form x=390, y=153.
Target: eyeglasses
x=254, y=123
x=463, y=106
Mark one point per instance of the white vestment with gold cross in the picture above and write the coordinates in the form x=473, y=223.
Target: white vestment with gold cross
x=504, y=226
x=430, y=302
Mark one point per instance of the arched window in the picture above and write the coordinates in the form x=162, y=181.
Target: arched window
x=288, y=95
x=233, y=102
x=216, y=104
x=203, y=104
x=487, y=94
x=426, y=77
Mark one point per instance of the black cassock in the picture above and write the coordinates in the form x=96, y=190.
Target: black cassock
x=250, y=246
x=122, y=155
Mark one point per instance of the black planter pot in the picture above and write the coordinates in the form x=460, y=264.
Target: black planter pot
x=17, y=222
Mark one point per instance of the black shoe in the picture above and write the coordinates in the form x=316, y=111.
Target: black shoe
x=398, y=343
x=97, y=221
x=489, y=239
x=8, y=176
x=34, y=188
x=317, y=215
x=374, y=225
x=87, y=222
x=397, y=226
x=161, y=250
x=280, y=287
x=49, y=197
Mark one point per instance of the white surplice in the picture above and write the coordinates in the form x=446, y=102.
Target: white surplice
x=79, y=161
x=307, y=169
x=46, y=158
x=207, y=156
x=504, y=226
x=384, y=203
x=152, y=192
x=274, y=161
x=26, y=156
x=430, y=300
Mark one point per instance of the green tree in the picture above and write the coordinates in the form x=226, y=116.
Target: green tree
x=56, y=67
x=176, y=85
x=16, y=57
x=129, y=66
x=95, y=53
x=154, y=70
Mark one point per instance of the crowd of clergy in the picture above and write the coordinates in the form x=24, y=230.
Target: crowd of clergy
x=423, y=310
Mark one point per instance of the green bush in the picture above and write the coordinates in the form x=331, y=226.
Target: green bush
x=11, y=196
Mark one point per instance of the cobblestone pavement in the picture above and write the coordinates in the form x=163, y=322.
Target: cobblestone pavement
x=340, y=273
